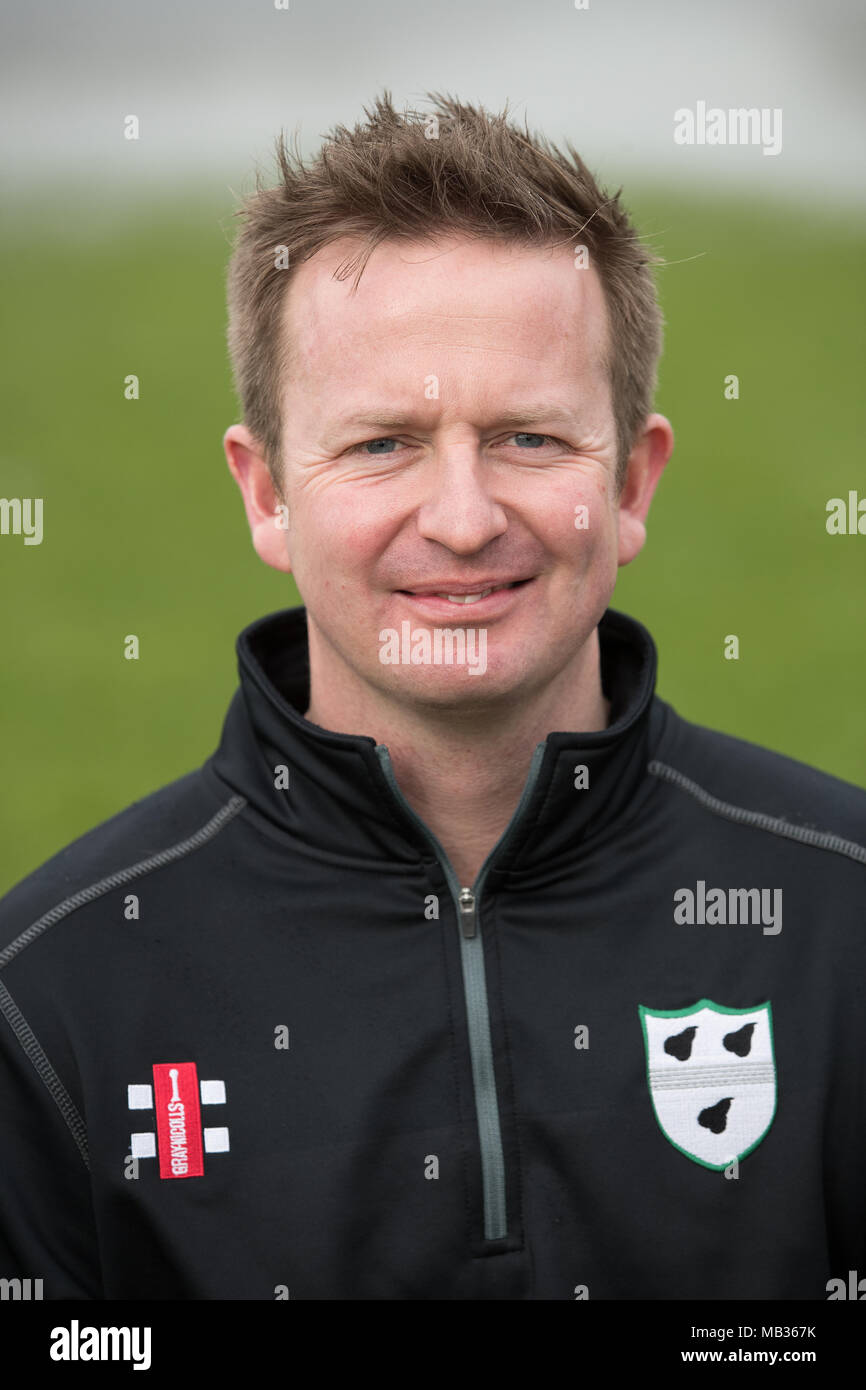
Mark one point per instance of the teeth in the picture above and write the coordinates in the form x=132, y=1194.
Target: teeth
x=465, y=598
x=471, y=598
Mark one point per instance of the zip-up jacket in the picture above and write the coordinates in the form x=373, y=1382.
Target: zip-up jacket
x=259, y=1042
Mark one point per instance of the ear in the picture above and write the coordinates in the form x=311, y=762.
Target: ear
x=264, y=507
x=646, y=463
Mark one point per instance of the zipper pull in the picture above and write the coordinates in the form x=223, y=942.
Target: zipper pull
x=467, y=912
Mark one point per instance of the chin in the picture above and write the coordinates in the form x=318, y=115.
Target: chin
x=452, y=689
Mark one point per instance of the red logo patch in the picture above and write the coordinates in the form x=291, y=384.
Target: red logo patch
x=178, y=1119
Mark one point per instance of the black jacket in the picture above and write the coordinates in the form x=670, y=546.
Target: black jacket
x=629, y=1063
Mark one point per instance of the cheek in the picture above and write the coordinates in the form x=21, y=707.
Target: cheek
x=580, y=527
x=336, y=536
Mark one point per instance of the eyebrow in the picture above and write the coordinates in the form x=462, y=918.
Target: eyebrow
x=533, y=414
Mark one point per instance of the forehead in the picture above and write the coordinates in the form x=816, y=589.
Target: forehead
x=449, y=293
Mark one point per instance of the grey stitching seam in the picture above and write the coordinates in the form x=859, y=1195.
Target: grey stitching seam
x=45, y=1071
x=104, y=885
x=17, y=1021
x=821, y=839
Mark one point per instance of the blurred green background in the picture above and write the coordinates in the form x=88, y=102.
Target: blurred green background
x=145, y=532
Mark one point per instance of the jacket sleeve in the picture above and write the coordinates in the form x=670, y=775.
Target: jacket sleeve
x=46, y=1215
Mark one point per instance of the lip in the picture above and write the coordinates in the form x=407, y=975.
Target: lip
x=466, y=614
x=463, y=586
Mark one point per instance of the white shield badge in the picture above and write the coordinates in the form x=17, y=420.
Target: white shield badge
x=712, y=1078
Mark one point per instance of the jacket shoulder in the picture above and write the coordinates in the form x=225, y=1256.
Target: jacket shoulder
x=156, y=830
x=732, y=774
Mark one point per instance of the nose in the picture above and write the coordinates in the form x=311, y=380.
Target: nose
x=457, y=509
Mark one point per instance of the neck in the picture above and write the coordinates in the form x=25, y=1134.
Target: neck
x=462, y=772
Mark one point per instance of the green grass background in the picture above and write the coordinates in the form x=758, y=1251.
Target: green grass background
x=145, y=532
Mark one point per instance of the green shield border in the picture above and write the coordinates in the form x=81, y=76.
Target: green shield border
x=644, y=1010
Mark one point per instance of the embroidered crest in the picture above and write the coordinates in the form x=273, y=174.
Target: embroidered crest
x=712, y=1078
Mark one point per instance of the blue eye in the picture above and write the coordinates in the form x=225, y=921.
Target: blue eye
x=386, y=439
x=522, y=435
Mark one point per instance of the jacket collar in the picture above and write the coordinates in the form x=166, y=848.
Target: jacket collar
x=340, y=802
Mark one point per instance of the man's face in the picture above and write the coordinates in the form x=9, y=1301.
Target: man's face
x=448, y=427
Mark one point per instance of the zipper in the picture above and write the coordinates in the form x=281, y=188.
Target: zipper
x=467, y=903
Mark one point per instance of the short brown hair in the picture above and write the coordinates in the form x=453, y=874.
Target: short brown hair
x=389, y=180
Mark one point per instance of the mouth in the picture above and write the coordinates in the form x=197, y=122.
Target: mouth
x=461, y=594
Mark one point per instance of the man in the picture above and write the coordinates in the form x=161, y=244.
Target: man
x=465, y=968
